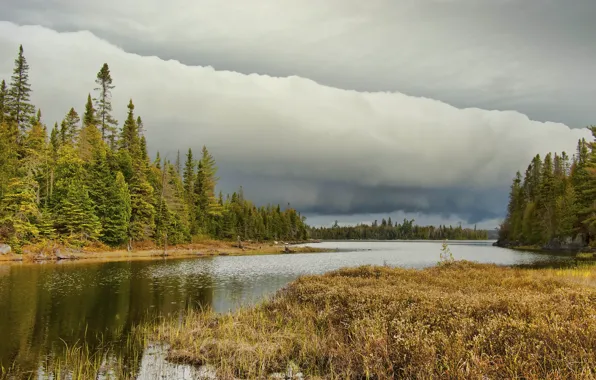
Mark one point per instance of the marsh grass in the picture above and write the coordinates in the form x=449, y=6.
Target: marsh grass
x=457, y=320
x=82, y=361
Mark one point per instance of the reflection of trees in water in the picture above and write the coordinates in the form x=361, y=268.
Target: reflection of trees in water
x=98, y=305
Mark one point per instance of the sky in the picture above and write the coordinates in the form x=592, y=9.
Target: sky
x=348, y=110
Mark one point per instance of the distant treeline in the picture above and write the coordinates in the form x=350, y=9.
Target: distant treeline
x=555, y=200
x=89, y=179
x=387, y=230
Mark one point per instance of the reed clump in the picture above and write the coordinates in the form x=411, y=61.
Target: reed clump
x=456, y=320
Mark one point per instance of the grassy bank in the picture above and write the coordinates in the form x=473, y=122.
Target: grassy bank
x=44, y=252
x=460, y=320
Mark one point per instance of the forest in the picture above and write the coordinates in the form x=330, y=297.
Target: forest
x=387, y=230
x=555, y=201
x=90, y=180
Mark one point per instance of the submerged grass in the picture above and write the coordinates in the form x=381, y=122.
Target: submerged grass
x=457, y=320
x=83, y=361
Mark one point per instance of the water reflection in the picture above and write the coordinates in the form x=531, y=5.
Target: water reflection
x=44, y=307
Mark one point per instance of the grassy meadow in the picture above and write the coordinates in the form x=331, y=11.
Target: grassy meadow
x=457, y=320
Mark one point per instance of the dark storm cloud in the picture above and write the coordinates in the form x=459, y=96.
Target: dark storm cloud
x=326, y=150
x=533, y=56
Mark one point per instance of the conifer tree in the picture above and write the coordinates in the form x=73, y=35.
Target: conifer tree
x=69, y=128
x=103, y=105
x=189, y=174
x=20, y=109
x=142, y=222
x=129, y=138
x=73, y=209
x=3, y=100
x=589, y=188
x=45, y=224
x=8, y=155
x=206, y=204
x=89, y=117
x=19, y=212
x=178, y=166
x=117, y=212
x=547, y=199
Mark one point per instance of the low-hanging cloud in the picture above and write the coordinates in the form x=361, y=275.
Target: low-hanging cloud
x=534, y=56
x=325, y=150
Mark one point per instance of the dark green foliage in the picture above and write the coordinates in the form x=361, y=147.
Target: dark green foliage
x=555, y=200
x=3, y=101
x=69, y=128
x=73, y=210
x=89, y=117
x=117, y=209
x=406, y=230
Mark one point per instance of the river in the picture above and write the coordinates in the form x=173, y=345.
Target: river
x=44, y=307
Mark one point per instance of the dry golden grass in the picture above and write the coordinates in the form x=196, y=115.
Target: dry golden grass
x=455, y=321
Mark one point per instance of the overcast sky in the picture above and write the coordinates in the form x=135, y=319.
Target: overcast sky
x=349, y=110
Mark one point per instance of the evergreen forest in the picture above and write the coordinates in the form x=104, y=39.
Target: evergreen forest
x=89, y=180
x=387, y=230
x=555, y=200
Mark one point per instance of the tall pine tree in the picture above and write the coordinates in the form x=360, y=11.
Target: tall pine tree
x=103, y=105
x=21, y=111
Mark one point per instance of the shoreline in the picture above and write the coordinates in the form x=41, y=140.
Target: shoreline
x=210, y=248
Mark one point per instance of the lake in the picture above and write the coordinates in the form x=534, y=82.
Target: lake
x=44, y=307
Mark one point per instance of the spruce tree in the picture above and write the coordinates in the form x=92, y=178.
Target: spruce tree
x=129, y=138
x=189, y=174
x=3, y=100
x=117, y=208
x=89, y=117
x=69, y=128
x=73, y=209
x=588, y=189
x=19, y=212
x=8, y=155
x=20, y=109
x=103, y=105
x=207, y=206
x=142, y=221
x=178, y=166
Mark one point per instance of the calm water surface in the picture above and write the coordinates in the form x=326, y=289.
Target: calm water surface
x=45, y=306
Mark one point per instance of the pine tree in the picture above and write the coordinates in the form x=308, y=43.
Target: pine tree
x=69, y=128
x=547, y=200
x=103, y=105
x=20, y=109
x=117, y=212
x=46, y=224
x=19, y=212
x=73, y=209
x=589, y=189
x=206, y=204
x=89, y=117
x=3, y=101
x=8, y=155
x=129, y=138
x=189, y=174
x=140, y=126
x=178, y=166
x=142, y=222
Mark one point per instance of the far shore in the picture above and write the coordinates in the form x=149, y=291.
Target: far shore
x=201, y=249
